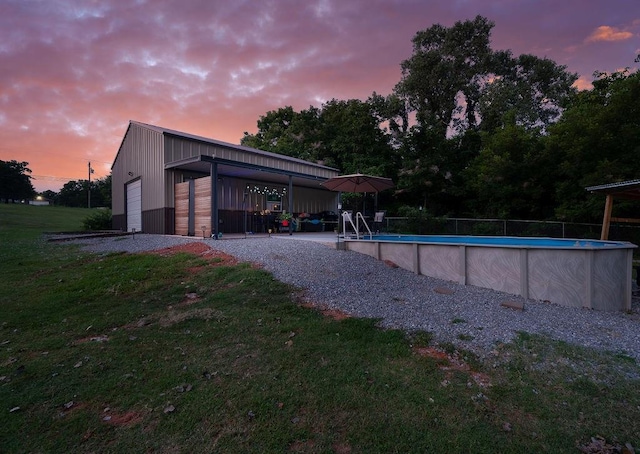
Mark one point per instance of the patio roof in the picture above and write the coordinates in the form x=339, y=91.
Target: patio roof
x=622, y=190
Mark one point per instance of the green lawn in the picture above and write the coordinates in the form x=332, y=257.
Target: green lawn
x=147, y=353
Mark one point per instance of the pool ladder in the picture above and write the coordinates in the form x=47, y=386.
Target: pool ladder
x=347, y=219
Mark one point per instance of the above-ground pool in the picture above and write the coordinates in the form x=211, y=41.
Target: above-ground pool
x=570, y=272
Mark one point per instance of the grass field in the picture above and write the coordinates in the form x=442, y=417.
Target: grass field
x=196, y=353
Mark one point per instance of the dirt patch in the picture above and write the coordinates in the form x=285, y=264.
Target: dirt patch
x=98, y=339
x=201, y=250
x=432, y=352
x=327, y=312
x=72, y=407
x=302, y=446
x=174, y=317
x=335, y=314
x=128, y=418
x=189, y=299
x=341, y=448
x=450, y=363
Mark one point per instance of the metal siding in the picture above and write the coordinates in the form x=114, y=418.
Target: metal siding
x=158, y=221
x=177, y=148
x=306, y=200
x=141, y=155
x=118, y=222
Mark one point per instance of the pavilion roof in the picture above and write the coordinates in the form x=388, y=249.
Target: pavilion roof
x=623, y=190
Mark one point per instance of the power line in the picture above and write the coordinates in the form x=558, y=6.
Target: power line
x=54, y=178
x=51, y=178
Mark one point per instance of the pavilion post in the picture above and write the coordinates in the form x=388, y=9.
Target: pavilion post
x=290, y=202
x=606, y=220
x=214, y=201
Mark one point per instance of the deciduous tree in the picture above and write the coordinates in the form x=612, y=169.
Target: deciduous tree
x=596, y=141
x=15, y=181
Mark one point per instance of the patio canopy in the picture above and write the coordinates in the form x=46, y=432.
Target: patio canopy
x=623, y=190
x=358, y=182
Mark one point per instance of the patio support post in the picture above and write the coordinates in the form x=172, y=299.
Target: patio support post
x=191, y=220
x=291, y=204
x=606, y=220
x=214, y=200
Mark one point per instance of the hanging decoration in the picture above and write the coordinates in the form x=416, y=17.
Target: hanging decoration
x=264, y=190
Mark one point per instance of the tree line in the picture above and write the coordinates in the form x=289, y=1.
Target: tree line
x=16, y=187
x=470, y=131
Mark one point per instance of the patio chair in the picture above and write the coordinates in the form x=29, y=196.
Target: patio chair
x=378, y=219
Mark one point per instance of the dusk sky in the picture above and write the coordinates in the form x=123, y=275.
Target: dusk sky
x=73, y=73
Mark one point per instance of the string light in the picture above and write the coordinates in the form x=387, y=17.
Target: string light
x=264, y=190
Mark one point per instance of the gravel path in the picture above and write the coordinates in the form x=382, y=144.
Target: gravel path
x=469, y=317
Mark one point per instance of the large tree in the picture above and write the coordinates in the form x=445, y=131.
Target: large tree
x=454, y=77
x=458, y=87
x=341, y=134
x=596, y=141
x=446, y=72
x=352, y=140
x=285, y=131
x=15, y=181
x=510, y=176
x=530, y=90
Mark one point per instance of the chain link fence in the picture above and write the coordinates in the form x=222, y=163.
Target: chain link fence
x=507, y=227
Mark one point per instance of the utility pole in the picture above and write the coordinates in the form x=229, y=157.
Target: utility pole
x=89, y=186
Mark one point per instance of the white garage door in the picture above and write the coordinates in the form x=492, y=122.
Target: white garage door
x=134, y=206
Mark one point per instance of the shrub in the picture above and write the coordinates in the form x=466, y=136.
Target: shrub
x=100, y=220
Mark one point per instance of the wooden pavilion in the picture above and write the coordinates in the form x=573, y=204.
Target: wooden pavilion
x=629, y=190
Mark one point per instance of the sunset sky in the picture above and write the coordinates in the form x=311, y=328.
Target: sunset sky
x=73, y=73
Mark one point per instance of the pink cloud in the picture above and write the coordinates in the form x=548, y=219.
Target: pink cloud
x=75, y=72
x=606, y=33
x=583, y=84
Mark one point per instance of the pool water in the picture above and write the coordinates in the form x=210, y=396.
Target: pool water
x=504, y=241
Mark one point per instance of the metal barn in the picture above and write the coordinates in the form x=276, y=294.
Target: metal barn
x=171, y=182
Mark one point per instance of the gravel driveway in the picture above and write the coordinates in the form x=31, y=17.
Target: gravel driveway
x=469, y=317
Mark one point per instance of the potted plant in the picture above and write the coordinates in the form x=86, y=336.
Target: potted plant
x=284, y=219
x=285, y=216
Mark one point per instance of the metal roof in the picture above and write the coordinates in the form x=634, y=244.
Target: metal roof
x=202, y=164
x=624, y=189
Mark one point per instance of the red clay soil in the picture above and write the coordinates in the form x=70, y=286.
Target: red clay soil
x=200, y=249
x=451, y=363
x=333, y=313
x=128, y=418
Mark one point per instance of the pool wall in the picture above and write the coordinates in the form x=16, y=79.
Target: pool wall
x=590, y=277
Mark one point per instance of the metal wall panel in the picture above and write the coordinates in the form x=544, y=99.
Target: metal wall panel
x=139, y=156
x=160, y=221
x=178, y=148
x=307, y=200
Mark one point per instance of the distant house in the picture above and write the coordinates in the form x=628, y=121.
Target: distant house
x=171, y=182
x=39, y=202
